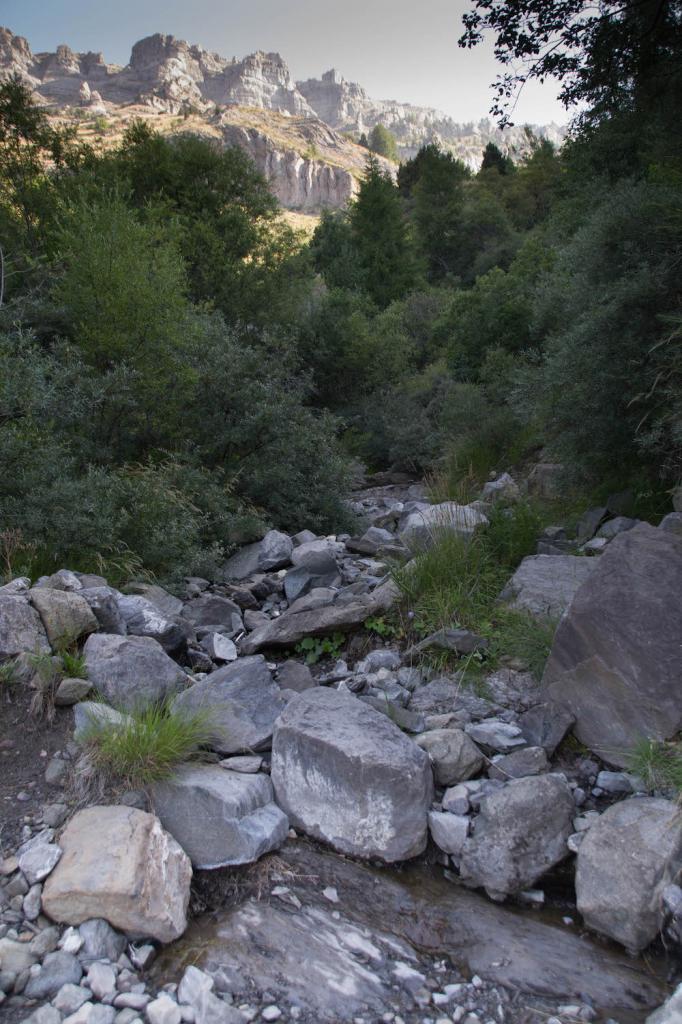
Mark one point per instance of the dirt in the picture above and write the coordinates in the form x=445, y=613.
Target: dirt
x=26, y=745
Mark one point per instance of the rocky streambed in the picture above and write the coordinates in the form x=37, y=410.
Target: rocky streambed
x=473, y=865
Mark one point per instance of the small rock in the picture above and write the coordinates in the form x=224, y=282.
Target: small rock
x=70, y=998
x=495, y=735
x=54, y=815
x=39, y=861
x=101, y=979
x=70, y=691
x=58, y=969
x=331, y=894
x=163, y=1011
x=271, y=1012
x=31, y=905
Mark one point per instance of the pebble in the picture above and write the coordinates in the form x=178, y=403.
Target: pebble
x=163, y=1011
x=271, y=1012
x=31, y=905
x=331, y=894
x=101, y=979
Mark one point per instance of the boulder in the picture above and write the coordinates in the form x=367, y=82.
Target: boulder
x=546, y=725
x=419, y=528
x=21, y=628
x=131, y=670
x=519, y=834
x=545, y=585
x=670, y=1012
x=166, y=603
x=66, y=616
x=616, y=660
x=439, y=697
x=119, y=864
x=294, y=675
x=102, y=601
x=308, y=553
x=243, y=701
x=317, y=571
x=142, y=618
x=213, y=613
x=455, y=758
x=626, y=860
x=339, y=617
x=272, y=552
x=219, y=647
x=345, y=774
x=519, y=764
x=220, y=817
x=90, y=715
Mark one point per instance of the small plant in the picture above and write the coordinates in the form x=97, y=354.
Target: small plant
x=8, y=676
x=74, y=664
x=145, y=745
x=659, y=765
x=101, y=125
x=15, y=553
x=314, y=648
x=47, y=674
x=382, y=628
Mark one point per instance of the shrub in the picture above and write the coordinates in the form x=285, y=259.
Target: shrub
x=146, y=745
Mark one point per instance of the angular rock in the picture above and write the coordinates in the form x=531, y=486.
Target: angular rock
x=616, y=661
x=520, y=833
x=628, y=857
x=21, y=628
x=496, y=736
x=438, y=697
x=220, y=817
x=519, y=764
x=39, y=860
x=615, y=526
x=67, y=617
x=449, y=831
x=101, y=941
x=167, y=604
x=70, y=691
x=58, y=969
x=275, y=551
x=455, y=757
x=130, y=671
x=545, y=585
x=460, y=641
x=546, y=725
x=243, y=702
x=503, y=489
x=213, y=612
x=15, y=956
x=318, y=570
x=293, y=675
x=102, y=601
x=89, y=715
x=291, y=627
x=219, y=647
x=142, y=618
x=119, y=864
x=346, y=775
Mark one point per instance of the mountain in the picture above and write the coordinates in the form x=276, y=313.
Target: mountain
x=300, y=134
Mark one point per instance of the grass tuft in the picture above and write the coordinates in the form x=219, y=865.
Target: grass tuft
x=659, y=765
x=147, y=744
x=457, y=581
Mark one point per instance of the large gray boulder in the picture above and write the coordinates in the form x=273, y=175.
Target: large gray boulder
x=545, y=585
x=670, y=1012
x=213, y=613
x=102, y=601
x=66, y=616
x=345, y=774
x=628, y=857
x=272, y=552
x=167, y=604
x=130, y=671
x=119, y=864
x=220, y=817
x=243, y=702
x=21, y=628
x=142, y=618
x=616, y=661
x=520, y=833
x=339, y=617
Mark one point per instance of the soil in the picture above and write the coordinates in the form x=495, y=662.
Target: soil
x=26, y=745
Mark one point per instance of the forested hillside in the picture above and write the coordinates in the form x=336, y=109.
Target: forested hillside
x=179, y=367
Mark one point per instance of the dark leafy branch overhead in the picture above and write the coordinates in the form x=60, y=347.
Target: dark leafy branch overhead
x=606, y=55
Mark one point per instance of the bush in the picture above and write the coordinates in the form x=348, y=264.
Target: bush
x=146, y=745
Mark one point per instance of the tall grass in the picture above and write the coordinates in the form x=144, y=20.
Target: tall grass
x=147, y=744
x=659, y=765
x=456, y=582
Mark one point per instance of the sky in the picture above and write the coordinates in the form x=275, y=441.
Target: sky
x=397, y=49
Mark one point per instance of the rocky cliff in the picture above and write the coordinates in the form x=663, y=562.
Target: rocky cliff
x=347, y=107
x=295, y=132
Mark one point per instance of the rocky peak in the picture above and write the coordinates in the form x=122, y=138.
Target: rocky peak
x=14, y=51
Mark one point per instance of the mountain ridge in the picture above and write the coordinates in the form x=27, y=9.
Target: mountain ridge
x=313, y=165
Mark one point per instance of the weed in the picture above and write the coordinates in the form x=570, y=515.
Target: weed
x=659, y=765
x=47, y=674
x=382, y=627
x=15, y=553
x=74, y=664
x=147, y=744
x=8, y=676
x=456, y=582
x=314, y=648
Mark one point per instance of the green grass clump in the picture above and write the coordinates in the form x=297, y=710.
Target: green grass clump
x=659, y=765
x=8, y=676
x=457, y=582
x=74, y=665
x=147, y=744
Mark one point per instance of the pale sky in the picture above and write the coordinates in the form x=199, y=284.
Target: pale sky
x=396, y=49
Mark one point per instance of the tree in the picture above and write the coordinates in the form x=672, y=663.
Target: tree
x=381, y=233
x=614, y=55
x=383, y=143
x=494, y=159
